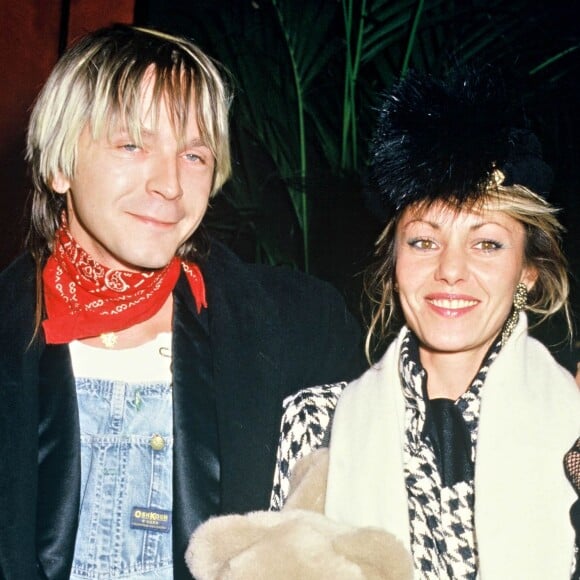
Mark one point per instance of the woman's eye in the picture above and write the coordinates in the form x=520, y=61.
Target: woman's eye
x=193, y=157
x=489, y=245
x=422, y=243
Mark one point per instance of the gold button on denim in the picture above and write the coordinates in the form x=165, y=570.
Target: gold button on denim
x=157, y=443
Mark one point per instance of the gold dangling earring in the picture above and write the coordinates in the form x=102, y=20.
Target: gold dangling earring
x=520, y=302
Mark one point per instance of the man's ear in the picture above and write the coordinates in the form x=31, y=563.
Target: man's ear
x=60, y=182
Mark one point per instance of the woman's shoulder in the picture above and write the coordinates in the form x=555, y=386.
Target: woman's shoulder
x=305, y=426
x=312, y=404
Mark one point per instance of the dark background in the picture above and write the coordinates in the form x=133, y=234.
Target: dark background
x=288, y=61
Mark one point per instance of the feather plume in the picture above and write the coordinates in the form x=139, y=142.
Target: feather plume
x=443, y=139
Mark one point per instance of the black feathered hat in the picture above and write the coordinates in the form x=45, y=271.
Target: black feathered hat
x=444, y=139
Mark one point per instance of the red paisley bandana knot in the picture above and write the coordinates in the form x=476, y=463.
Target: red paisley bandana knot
x=85, y=299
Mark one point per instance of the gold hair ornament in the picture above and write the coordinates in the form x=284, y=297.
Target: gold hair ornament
x=496, y=179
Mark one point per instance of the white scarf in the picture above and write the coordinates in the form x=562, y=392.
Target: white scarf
x=530, y=417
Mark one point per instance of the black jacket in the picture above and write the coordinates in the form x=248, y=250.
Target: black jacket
x=271, y=331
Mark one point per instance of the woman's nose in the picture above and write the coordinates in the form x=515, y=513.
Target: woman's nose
x=452, y=266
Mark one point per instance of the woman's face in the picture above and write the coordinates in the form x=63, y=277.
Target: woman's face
x=456, y=273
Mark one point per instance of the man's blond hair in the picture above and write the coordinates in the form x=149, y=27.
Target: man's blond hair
x=99, y=82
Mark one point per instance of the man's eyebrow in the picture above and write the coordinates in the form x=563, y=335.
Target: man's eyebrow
x=122, y=131
x=196, y=142
x=147, y=133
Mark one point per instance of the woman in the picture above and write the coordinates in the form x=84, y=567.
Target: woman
x=454, y=441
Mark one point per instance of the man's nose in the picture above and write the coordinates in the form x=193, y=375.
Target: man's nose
x=164, y=179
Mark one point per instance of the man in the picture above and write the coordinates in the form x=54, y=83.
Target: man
x=142, y=366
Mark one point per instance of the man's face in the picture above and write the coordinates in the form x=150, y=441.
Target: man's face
x=131, y=207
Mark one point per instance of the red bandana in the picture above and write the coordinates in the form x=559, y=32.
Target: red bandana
x=84, y=299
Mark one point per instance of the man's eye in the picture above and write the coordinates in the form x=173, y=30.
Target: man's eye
x=131, y=147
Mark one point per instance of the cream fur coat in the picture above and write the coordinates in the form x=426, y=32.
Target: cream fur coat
x=297, y=543
x=529, y=418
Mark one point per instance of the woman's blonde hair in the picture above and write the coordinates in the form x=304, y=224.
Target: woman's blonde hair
x=98, y=82
x=542, y=251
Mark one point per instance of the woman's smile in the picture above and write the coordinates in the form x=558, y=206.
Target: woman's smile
x=451, y=305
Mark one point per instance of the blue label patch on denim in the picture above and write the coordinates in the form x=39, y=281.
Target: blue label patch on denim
x=150, y=519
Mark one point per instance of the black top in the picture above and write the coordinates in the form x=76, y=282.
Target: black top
x=270, y=332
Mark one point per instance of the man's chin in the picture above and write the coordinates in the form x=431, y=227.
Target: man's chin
x=146, y=264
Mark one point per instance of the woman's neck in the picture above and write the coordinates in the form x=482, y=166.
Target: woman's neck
x=450, y=374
